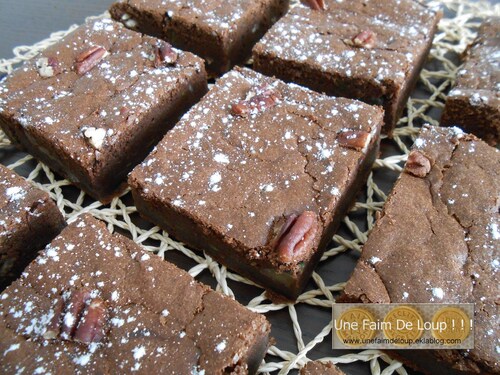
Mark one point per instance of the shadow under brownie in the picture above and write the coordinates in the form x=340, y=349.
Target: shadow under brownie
x=95, y=302
x=259, y=174
x=92, y=105
x=437, y=240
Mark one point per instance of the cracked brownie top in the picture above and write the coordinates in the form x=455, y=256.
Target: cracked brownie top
x=276, y=154
x=438, y=239
x=84, y=96
x=95, y=302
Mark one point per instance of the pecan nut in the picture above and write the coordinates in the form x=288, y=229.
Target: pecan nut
x=54, y=327
x=78, y=317
x=314, y=4
x=418, y=164
x=354, y=139
x=88, y=59
x=365, y=39
x=258, y=100
x=298, y=237
x=74, y=309
x=92, y=325
x=164, y=54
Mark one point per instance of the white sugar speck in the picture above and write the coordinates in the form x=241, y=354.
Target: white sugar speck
x=267, y=187
x=214, y=180
x=494, y=231
x=420, y=142
x=221, y=158
x=82, y=360
x=221, y=346
x=437, y=292
x=11, y=349
x=95, y=136
x=139, y=352
x=69, y=320
x=15, y=193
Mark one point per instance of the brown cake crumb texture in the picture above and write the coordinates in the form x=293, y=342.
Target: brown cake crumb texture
x=474, y=101
x=29, y=220
x=438, y=240
x=152, y=317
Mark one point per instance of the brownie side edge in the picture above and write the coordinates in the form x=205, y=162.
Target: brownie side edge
x=481, y=119
x=31, y=226
x=203, y=238
x=104, y=182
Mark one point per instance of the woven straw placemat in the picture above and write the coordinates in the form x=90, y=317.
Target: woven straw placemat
x=456, y=31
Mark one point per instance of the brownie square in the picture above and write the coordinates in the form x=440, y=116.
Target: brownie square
x=94, y=302
x=222, y=32
x=29, y=220
x=92, y=105
x=259, y=175
x=367, y=50
x=474, y=101
x=437, y=240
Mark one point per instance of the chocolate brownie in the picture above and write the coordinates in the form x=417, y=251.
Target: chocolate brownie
x=95, y=302
x=474, y=101
x=222, y=32
x=438, y=240
x=259, y=175
x=320, y=368
x=92, y=105
x=367, y=50
x=29, y=220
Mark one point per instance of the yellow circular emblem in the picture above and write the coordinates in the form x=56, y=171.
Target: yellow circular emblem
x=450, y=323
x=354, y=326
x=403, y=325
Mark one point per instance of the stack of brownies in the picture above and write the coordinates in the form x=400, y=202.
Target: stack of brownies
x=256, y=172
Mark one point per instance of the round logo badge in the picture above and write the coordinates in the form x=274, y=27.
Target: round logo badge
x=354, y=326
x=451, y=323
x=403, y=325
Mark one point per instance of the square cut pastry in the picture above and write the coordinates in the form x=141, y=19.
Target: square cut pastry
x=92, y=105
x=222, y=32
x=437, y=240
x=94, y=302
x=29, y=220
x=363, y=49
x=474, y=102
x=259, y=174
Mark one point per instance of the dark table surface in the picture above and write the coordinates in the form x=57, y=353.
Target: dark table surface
x=25, y=22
